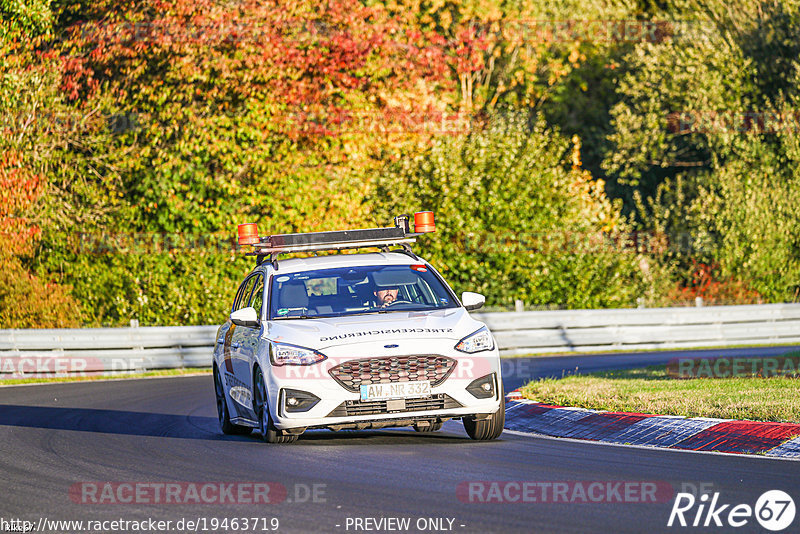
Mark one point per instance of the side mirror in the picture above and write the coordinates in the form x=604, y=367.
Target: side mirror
x=245, y=317
x=472, y=301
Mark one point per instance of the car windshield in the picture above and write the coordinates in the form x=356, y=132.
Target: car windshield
x=357, y=290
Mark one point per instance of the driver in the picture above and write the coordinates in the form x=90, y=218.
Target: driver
x=386, y=296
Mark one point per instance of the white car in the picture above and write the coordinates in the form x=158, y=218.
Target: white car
x=353, y=341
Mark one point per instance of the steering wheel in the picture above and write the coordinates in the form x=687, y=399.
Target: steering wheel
x=398, y=302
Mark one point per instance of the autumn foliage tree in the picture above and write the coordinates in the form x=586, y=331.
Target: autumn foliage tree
x=26, y=301
x=141, y=133
x=517, y=217
x=262, y=111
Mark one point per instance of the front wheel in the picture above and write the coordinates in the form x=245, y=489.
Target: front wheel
x=222, y=409
x=269, y=433
x=490, y=428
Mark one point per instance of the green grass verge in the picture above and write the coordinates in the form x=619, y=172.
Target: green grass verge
x=650, y=390
x=116, y=376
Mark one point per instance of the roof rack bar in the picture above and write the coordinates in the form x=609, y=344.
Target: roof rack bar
x=341, y=236
x=267, y=251
x=398, y=235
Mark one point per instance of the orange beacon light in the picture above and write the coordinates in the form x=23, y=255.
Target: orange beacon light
x=423, y=222
x=248, y=234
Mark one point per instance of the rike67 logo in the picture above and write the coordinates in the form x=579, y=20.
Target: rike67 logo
x=774, y=510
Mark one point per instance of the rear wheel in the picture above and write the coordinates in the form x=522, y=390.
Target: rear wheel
x=269, y=433
x=222, y=409
x=490, y=428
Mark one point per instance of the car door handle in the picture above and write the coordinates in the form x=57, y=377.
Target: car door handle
x=221, y=341
x=234, y=345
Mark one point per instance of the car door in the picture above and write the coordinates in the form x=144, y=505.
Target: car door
x=235, y=363
x=246, y=338
x=225, y=335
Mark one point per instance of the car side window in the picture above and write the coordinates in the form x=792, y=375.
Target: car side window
x=238, y=296
x=243, y=296
x=258, y=295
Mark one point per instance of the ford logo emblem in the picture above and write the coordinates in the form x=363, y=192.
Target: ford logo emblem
x=390, y=346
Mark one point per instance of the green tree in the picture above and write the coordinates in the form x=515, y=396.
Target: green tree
x=34, y=17
x=753, y=208
x=703, y=138
x=517, y=218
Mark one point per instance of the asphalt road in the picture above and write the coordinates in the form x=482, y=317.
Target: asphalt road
x=59, y=438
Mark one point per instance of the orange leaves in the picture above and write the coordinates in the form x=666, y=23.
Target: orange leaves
x=27, y=301
x=714, y=289
x=469, y=50
x=19, y=188
x=296, y=53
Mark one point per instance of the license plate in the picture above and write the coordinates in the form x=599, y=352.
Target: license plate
x=395, y=390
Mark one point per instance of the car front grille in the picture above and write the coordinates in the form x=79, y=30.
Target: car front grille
x=352, y=374
x=358, y=407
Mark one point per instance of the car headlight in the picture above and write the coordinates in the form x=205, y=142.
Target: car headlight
x=284, y=354
x=476, y=342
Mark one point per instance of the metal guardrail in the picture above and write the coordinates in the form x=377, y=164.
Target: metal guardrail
x=93, y=350
x=643, y=328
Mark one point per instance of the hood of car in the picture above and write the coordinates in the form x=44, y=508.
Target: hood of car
x=452, y=323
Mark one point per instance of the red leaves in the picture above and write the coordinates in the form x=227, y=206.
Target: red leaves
x=296, y=54
x=707, y=284
x=18, y=190
x=469, y=49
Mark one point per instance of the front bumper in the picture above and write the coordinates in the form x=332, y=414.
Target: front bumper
x=338, y=407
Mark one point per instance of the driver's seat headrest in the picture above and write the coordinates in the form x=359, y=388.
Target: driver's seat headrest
x=293, y=296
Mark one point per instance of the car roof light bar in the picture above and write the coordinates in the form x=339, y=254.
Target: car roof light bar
x=337, y=240
x=371, y=237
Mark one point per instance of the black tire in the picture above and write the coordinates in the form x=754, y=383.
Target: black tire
x=269, y=433
x=488, y=429
x=222, y=410
x=435, y=427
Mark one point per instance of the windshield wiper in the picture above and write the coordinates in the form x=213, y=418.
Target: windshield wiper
x=362, y=313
